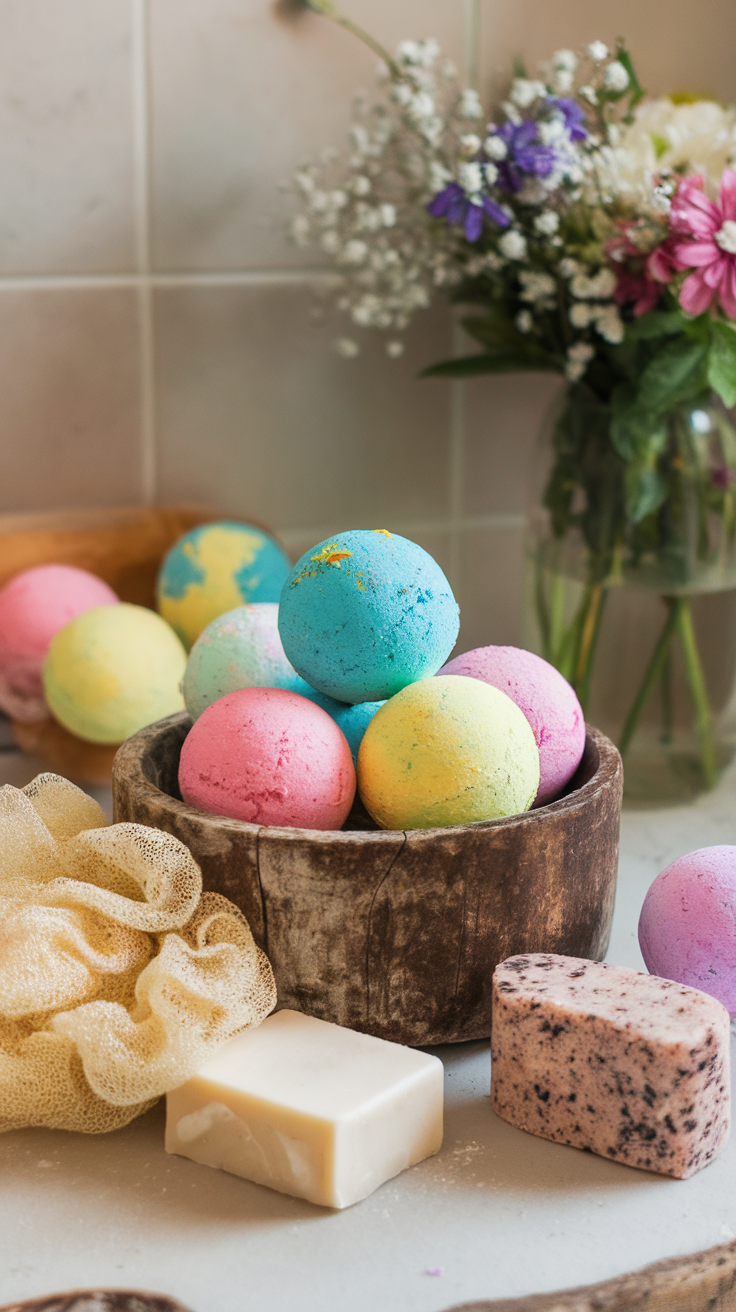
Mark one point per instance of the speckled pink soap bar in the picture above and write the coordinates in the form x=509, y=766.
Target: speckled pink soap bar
x=626, y=1065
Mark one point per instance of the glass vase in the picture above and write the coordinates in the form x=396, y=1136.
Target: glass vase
x=632, y=586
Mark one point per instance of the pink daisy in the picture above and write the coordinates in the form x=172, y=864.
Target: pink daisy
x=709, y=247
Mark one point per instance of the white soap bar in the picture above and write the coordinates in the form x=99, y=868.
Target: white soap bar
x=310, y=1108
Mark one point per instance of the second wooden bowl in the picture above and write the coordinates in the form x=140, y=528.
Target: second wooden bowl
x=392, y=933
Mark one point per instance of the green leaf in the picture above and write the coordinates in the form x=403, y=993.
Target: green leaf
x=677, y=373
x=634, y=90
x=658, y=323
x=645, y=491
x=722, y=362
x=468, y=366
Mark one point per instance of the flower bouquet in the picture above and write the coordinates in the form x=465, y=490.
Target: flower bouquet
x=590, y=232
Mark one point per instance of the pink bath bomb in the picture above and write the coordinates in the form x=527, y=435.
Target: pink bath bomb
x=687, y=927
x=34, y=606
x=270, y=757
x=547, y=701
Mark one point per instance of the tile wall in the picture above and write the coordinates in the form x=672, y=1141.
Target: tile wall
x=156, y=335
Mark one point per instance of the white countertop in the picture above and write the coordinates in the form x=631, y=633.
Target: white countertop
x=498, y=1212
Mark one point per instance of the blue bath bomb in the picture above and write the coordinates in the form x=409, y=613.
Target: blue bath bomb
x=365, y=613
x=354, y=720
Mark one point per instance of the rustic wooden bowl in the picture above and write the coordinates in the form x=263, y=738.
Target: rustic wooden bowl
x=392, y=933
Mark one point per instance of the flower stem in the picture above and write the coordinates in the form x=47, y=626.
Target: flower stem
x=328, y=10
x=656, y=665
x=588, y=642
x=694, y=671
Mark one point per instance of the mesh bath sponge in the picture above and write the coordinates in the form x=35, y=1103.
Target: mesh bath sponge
x=118, y=975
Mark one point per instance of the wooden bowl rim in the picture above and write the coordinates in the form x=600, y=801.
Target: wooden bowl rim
x=607, y=772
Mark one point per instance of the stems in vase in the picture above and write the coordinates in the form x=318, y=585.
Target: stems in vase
x=694, y=670
x=654, y=668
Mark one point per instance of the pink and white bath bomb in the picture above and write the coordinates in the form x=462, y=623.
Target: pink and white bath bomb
x=34, y=607
x=270, y=757
x=687, y=927
x=546, y=699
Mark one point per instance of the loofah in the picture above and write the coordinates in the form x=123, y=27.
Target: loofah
x=118, y=976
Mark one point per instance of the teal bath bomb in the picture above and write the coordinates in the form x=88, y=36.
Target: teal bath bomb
x=365, y=613
x=214, y=568
x=242, y=649
x=354, y=720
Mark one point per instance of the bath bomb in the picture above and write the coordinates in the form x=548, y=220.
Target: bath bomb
x=354, y=720
x=687, y=927
x=447, y=751
x=547, y=700
x=214, y=568
x=365, y=613
x=33, y=607
x=242, y=649
x=270, y=757
x=112, y=671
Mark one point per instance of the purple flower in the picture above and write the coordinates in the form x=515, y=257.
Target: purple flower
x=455, y=205
x=572, y=113
x=527, y=156
x=721, y=476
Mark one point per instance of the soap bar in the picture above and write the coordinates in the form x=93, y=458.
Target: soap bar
x=603, y=1058
x=310, y=1109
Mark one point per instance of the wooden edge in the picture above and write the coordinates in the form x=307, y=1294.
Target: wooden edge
x=127, y=766
x=98, y=1300
x=702, y=1282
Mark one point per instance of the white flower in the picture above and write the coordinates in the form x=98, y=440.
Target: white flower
x=578, y=357
x=568, y=267
x=609, y=323
x=407, y=52
x=598, y=51
x=495, y=147
x=338, y=199
x=300, y=229
x=470, y=106
x=547, y=223
x=615, y=77
x=562, y=81
x=490, y=173
x=565, y=59
x=394, y=349
x=524, y=321
x=511, y=112
x=346, y=347
x=524, y=92
x=304, y=181
x=536, y=286
x=402, y=93
x=470, y=144
x=696, y=138
x=513, y=245
x=589, y=93
x=551, y=130
x=439, y=176
x=470, y=178
x=422, y=106
x=388, y=215
x=361, y=185
x=330, y=242
x=581, y=314
x=354, y=252
x=596, y=288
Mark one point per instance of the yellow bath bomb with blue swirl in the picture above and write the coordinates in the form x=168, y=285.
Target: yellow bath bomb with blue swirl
x=215, y=568
x=113, y=670
x=447, y=751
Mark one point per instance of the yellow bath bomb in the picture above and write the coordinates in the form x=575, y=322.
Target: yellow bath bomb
x=113, y=670
x=446, y=751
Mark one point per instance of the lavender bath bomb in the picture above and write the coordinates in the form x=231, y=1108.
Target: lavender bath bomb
x=365, y=613
x=687, y=927
x=545, y=698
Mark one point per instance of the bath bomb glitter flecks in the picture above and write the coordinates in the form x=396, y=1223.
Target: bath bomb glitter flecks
x=215, y=568
x=365, y=613
x=687, y=927
x=270, y=757
x=547, y=700
x=112, y=671
x=34, y=606
x=447, y=751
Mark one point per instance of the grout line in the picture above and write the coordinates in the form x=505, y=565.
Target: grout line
x=141, y=128
x=295, y=537
x=208, y=278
